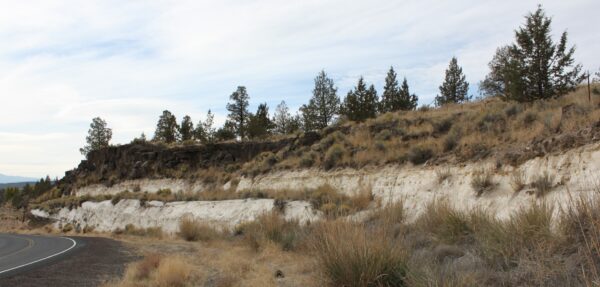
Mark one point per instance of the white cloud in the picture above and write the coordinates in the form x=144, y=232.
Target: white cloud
x=65, y=62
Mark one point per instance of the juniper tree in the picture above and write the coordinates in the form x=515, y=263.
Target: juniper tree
x=361, y=103
x=166, y=128
x=455, y=87
x=238, y=111
x=186, y=130
x=323, y=105
x=282, y=119
x=534, y=67
x=226, y=132
x=259, y=124
x=99, y=136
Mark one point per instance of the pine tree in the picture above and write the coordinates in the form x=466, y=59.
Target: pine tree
x=99, y=136
x=391, y=93
x=361, y=103
x=166, y=128
x=205, y=133
x=408, y=101
x=323, y=105
x=259, y=124
x=534, y=67
x=186, y=130
x=455, y=86
x=370, y=103
x=238, y=111
x=282, y=119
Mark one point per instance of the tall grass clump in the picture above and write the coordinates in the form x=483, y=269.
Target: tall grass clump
x=271, y=227
x=446, y=223
x=482, y=182
x=191, y=229
x=542, y=184
x=350, y=255
x=173, y=272
x=580, y=225
x=526, y=234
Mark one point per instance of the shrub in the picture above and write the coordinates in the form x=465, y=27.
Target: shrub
x=144, y=268
x=383, y=135
x=307, y=159
x=194, y=230
x=333, y=156
x=443, y=126
x=512, y=110
x=517, y=180
x=529, y=118
x=526, y=232
x=419, y=154
x=349, y=255
x=451, y=141
x=446, y=223
x=442, y=174
x=272, y=227
x=542, y=184
x=482, y=182
x=130, y=229
x=173, y=272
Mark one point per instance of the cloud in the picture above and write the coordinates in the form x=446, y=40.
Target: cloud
x=64, y=62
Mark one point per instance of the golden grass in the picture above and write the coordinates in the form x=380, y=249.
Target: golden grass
x=191, y=229
x=350, y=255
x=172, y=272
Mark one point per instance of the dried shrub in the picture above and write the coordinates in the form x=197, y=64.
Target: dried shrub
x=350, y=255
x=191, y=229
x=483, y=182
x=542, y=184
x=420, y=154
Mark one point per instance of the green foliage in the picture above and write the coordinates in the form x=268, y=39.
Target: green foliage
x=187, y=129
x=396, y=98
x=259, y=124
x=204, y=132
x=361, y=103
x=323, y=105
x=98, y=136
x=167, y=129
x=238, y=111
x=534, y=67
x=227, y=132
x=455, y=86
x=284, y=122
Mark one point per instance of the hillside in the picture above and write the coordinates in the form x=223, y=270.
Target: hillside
x=492, y=191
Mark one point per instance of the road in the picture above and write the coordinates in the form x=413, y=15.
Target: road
x=22, y=253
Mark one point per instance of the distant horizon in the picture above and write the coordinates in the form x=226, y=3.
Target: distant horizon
x=127, y=62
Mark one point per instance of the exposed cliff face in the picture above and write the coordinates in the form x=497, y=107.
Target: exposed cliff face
x=104, y=216
x=144, y=160
x=571, y=174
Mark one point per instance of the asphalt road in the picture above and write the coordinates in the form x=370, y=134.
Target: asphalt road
x=22, y=253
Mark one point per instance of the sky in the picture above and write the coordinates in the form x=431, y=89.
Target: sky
x=65, y=62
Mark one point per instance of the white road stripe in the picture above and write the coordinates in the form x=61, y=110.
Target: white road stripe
x=45, y=258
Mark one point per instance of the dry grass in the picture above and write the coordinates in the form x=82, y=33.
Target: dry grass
x=542, y=184
x=350, y=255
x=191, y=229
x=459, y=133
x=483, y=181
x=518, y=180
x=443, y=174
x=173, y=272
